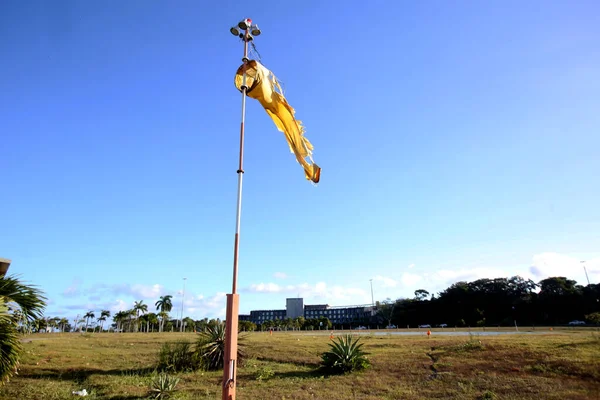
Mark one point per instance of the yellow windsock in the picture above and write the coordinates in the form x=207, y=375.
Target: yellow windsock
x=263, y=86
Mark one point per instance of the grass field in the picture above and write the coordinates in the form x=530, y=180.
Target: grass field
x=562, y=364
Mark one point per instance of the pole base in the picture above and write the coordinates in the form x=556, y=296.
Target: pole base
x=231, y=342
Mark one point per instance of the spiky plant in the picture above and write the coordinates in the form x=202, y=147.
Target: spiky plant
x=210, y=347
x=163, y=385
x=19, y=303
x=176, y=357
x=345, y=355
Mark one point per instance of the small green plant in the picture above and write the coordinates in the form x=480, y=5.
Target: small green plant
x=264, y=374
x=176, y=357
x=163, y=385
x=345, y=355
x=472, y=344
x=210, y=347
x=488, y=395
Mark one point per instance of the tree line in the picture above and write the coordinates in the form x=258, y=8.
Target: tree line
x=497, y=302
x=483, y=302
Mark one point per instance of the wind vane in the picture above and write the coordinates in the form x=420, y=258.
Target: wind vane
x=257, y=82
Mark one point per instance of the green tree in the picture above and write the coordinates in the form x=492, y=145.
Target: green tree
x=30, y=302
x=164, y=305
x=103, y=315
x=594, y=318
x=386, y=310
x=119, y=319
x=87, y=316
x=139, y=307
x=63, y=324
x=246, y=326
x=421, y=294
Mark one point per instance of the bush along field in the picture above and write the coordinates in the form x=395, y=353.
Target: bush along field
x=559, y=364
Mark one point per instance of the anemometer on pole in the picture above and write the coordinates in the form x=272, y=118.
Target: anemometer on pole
x=246, y=31
x=254, y=80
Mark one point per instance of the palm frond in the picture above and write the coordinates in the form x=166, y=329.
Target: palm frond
x=28, y=298
x=10, y=345
x=210, y=347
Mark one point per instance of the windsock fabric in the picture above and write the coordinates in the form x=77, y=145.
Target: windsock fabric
x=263, y=86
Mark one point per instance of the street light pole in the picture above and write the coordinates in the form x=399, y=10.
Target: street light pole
x=246, y=31
x=585, y=270
x=182, y=298
x=372, y=298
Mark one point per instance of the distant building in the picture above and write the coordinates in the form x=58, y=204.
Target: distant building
x=244, y=317
x=260, y=316
x=295, y=308
x=339, y=315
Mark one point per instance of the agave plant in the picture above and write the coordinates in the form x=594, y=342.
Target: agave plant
x=19, y=303
x=176, y=357
x=345, y=355
x=163, y=385
x=210, y=347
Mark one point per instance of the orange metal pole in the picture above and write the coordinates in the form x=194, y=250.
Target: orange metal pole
x=233, y=299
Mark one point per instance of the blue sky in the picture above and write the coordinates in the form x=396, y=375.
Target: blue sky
x=457, y=141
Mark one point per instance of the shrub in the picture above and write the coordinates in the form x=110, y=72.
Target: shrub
x=345, y=355
x=210, y=347
x=176, y=357
x=264, y=374
x=471, y=345
x=488, y=395
x=163, y=385
x=593, y=318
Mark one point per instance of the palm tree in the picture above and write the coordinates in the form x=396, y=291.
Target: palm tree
x=29, y=302
x=165, y=305
x=90, y=314
x=53, y=323
x=151, y=321
x=103, y=315
x=119, y=318
x=63, y=323
x=137, y=307
x=163, y=315
x=143, y=320
x=130, y=318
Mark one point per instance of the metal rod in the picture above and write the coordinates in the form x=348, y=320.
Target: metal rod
x=240, y=171
x=182, y=299
x=231, y=319
x=585, y=270
x=372, y=298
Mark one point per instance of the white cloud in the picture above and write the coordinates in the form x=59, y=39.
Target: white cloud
x=280, y=275
x=265, y=288
x=319, y=291
x=199, y=306
x=73, y=289
x=145, y=291
x=118, y=305
x=411, y=266
x=387, y=282
x=549, y=264
x=410, y=280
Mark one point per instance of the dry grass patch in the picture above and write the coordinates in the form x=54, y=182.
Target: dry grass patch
x=563, y=365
